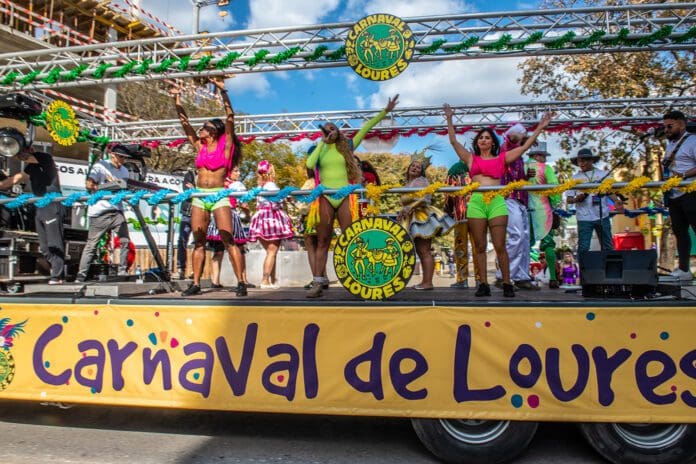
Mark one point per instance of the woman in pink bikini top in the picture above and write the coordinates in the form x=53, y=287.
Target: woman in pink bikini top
x=487, y=166
x=218, y=150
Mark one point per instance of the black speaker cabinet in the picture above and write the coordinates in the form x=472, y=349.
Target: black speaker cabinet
x=627, y=274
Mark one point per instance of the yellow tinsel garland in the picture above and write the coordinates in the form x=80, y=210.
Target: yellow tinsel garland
x=565, y=186
x=466, y=190
x=671, y=183
x=374, y=193
x=689, y=188
x=604, y=188
x=635, y=184
x=505, y=191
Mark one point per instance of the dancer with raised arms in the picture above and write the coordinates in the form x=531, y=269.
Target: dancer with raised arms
x=219, y=150
x=486, y=166
x=337, y=167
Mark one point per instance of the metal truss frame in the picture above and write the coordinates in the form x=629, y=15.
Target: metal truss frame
x=152, y=55
x=622, y=113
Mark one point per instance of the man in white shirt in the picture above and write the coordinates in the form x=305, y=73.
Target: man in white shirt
x=103, y=216
x=680, y=160
x=592, y=211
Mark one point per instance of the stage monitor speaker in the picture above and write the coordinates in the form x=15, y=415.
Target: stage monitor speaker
x=621, y=274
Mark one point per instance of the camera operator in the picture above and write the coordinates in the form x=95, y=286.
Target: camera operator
x=592, y=210
x=680, y=160
x=103, y=216
x=42, y=174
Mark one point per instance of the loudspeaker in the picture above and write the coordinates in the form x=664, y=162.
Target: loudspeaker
x=618, y=273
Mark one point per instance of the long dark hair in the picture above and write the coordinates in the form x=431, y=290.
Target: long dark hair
x=496, y=143
x=220, y=129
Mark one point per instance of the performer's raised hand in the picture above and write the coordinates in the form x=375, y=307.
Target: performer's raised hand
x=546, y=119
x=392, y=103
x=448, y=110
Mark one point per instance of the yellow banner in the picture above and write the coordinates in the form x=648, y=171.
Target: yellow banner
x=615, y=364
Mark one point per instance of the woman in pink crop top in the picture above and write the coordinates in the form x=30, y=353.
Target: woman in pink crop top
x=486, y=166
x=219, y=149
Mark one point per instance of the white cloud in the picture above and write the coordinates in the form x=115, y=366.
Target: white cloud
x=254, y=83
x=360, y=102
x=455, y=82
x=180, y=15
x=276, y=13
x=404, y=8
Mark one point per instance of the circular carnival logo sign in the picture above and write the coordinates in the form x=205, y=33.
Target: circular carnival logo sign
x=379, y=46
x=7, y=368
x=374, y=258
x=61, y=123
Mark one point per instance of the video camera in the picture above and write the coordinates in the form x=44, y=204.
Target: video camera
x=21, y=107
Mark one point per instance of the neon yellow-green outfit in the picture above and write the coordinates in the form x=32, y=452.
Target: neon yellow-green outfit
x=333, y=173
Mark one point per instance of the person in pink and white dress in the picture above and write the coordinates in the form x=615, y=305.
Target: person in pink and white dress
x=270, y=223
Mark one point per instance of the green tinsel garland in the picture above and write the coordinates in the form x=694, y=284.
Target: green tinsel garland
x=184, y=63
x=29, y=78
x=339, y=54
x=498, y=45
x=52, y=77
x=164, y=65
x=561, y=41
x=227, y=61
x=143, y=67
x=125, y=69
x=690, y=34
x=101, y=70
x=463, y=45
x=529, y=40
x=203, y=63
x=433, y=47
x=10, y=78
x=284, y=56
x=317, y=53
x=592, y=39
x=73, y=74
x=503, y=43
x=257, y=58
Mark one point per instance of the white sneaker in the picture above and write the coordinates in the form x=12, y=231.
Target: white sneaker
x=682, y=276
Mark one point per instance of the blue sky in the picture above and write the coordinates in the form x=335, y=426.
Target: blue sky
x=421, y=84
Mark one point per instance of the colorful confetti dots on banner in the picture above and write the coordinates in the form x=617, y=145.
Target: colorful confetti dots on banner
x=517, y=400
x=487, y=324
x=65, y=319
x=537, y=325
x=590, y=316
x=153, y=338
x=130, y=322
x=664, y=335
x=533, y=401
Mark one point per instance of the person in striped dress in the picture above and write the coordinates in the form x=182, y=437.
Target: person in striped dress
x=270, y=223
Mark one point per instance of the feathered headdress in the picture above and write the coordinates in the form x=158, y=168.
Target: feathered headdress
x=421, y=158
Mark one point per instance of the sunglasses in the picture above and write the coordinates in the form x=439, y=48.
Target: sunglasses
x=208, y=128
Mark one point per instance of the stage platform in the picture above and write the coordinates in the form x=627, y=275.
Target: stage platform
x=169, y=293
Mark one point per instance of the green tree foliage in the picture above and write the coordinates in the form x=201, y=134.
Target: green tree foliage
x=613, y=75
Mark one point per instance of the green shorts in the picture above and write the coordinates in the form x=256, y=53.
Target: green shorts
x=221, y=203
x=479, y=209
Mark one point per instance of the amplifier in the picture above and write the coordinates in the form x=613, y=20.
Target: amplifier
x=618, y=273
